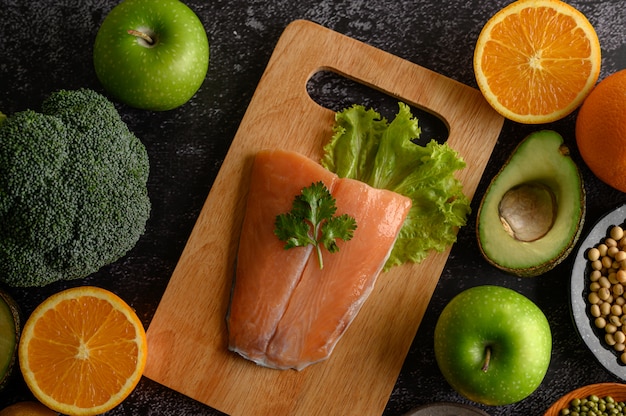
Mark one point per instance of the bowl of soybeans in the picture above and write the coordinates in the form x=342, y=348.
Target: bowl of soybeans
x=598, y=291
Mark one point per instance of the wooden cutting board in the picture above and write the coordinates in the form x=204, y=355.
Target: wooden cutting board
x=187, y=338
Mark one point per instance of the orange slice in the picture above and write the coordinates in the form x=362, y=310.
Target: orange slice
x=82, y=351
x=535, y=61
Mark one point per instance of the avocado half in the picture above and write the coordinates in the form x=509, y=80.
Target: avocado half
x=533, y=211
x=10, y=330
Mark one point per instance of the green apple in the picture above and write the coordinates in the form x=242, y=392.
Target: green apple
x=151, y=54
x=493, y=345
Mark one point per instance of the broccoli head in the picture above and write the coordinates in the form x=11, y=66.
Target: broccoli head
x=73, y=194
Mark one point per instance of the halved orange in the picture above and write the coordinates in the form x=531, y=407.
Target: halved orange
x=535, y=61
x=82, y=351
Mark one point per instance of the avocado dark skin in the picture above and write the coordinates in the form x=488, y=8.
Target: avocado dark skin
x=5, y=374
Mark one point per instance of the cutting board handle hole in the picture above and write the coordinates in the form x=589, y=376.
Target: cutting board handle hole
x=336, y=92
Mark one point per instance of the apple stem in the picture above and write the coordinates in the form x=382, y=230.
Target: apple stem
x=485, y=366
x=141, y=35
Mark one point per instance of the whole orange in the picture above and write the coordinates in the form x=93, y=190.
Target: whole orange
x=601, y=130
x=27, y=409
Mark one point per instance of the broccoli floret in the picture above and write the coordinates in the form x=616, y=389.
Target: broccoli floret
x=73, y=194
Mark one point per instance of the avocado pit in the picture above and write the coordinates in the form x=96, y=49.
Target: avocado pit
x=528, y=211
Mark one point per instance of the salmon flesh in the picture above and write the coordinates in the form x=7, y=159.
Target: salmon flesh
x=285, y=312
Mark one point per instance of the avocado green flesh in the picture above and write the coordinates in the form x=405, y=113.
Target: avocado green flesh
x=540, y=158
x=8, y=339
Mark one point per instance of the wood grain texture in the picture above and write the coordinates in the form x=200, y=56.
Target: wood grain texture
x=187, y=337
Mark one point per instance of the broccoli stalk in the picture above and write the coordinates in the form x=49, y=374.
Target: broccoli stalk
x=73, y=194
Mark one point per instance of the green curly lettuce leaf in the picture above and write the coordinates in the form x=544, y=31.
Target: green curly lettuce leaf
x=366, y=147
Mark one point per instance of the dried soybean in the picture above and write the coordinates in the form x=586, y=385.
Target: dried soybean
x=607, y=278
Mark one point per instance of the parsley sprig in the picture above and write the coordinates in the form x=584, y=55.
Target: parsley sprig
x=312, y=221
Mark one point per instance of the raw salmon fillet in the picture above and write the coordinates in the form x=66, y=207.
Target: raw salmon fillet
x=266, y=273
x=285, y=311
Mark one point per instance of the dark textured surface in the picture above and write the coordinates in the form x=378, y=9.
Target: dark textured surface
x=46, y=45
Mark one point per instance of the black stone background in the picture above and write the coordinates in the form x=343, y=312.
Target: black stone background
x=46, y=45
